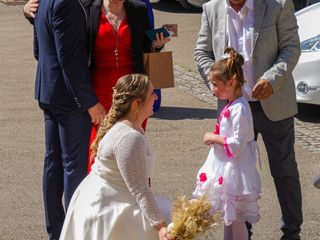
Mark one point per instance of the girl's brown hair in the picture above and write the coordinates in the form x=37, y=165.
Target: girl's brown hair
x=127, y=89
x=228, y=68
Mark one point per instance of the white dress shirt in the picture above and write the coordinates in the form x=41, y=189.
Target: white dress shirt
x=240, y=36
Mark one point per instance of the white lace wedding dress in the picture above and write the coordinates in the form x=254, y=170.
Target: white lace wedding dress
x=115, y=201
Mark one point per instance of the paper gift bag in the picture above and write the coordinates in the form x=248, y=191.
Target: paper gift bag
x=159, y=68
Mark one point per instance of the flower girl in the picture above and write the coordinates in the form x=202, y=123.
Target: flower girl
x=229, y=176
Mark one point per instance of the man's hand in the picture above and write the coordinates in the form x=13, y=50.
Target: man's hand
x=262, y=90
x=30, y=8
x=97, y=113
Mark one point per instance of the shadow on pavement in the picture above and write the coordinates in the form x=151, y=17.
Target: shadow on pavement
x=180, y=113
x=172, y=6
x=309, y=113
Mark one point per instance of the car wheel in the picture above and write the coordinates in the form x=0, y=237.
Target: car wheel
x=187, y=5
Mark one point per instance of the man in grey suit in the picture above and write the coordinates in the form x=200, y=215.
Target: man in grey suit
x=265, y=32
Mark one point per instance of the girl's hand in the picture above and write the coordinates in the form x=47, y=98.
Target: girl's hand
x=212, y=138
x=163, y=234
x=160, y=41
x=208, y=138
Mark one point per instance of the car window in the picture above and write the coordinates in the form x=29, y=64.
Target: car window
x=299, y=4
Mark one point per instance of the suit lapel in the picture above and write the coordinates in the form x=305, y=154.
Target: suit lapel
x=259, y=11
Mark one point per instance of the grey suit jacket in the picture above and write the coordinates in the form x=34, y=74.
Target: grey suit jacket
x=276, y=49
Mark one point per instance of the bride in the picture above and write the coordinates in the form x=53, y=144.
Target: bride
x=115, y=201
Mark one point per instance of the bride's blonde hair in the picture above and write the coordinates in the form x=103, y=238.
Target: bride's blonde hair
x=127, y=89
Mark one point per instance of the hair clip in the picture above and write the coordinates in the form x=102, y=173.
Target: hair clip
x=225, y=55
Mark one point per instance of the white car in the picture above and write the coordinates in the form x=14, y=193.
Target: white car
x=307, y=72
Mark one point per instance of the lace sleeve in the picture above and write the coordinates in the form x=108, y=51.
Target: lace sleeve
x=130, y=154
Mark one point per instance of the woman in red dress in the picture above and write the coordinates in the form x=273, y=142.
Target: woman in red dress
x=119, y=45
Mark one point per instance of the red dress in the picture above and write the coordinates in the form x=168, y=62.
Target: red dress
x=107, y=67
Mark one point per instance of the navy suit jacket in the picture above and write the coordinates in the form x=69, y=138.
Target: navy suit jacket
x=63, y=75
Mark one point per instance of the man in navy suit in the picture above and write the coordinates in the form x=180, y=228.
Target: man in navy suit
x=63, y=89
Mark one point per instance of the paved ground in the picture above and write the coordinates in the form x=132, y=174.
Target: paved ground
x=176, y=132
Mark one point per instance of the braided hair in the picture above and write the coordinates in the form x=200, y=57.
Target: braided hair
x=229, y=67
x=127, y=89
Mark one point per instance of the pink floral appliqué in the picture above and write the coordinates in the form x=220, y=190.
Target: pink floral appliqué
x=226, y=148
x=203, y=177
x=220, y=180
x=226, y=113
x=217, y=131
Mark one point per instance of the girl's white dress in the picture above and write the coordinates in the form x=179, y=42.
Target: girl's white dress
x=229, y=176
x=115, y=201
